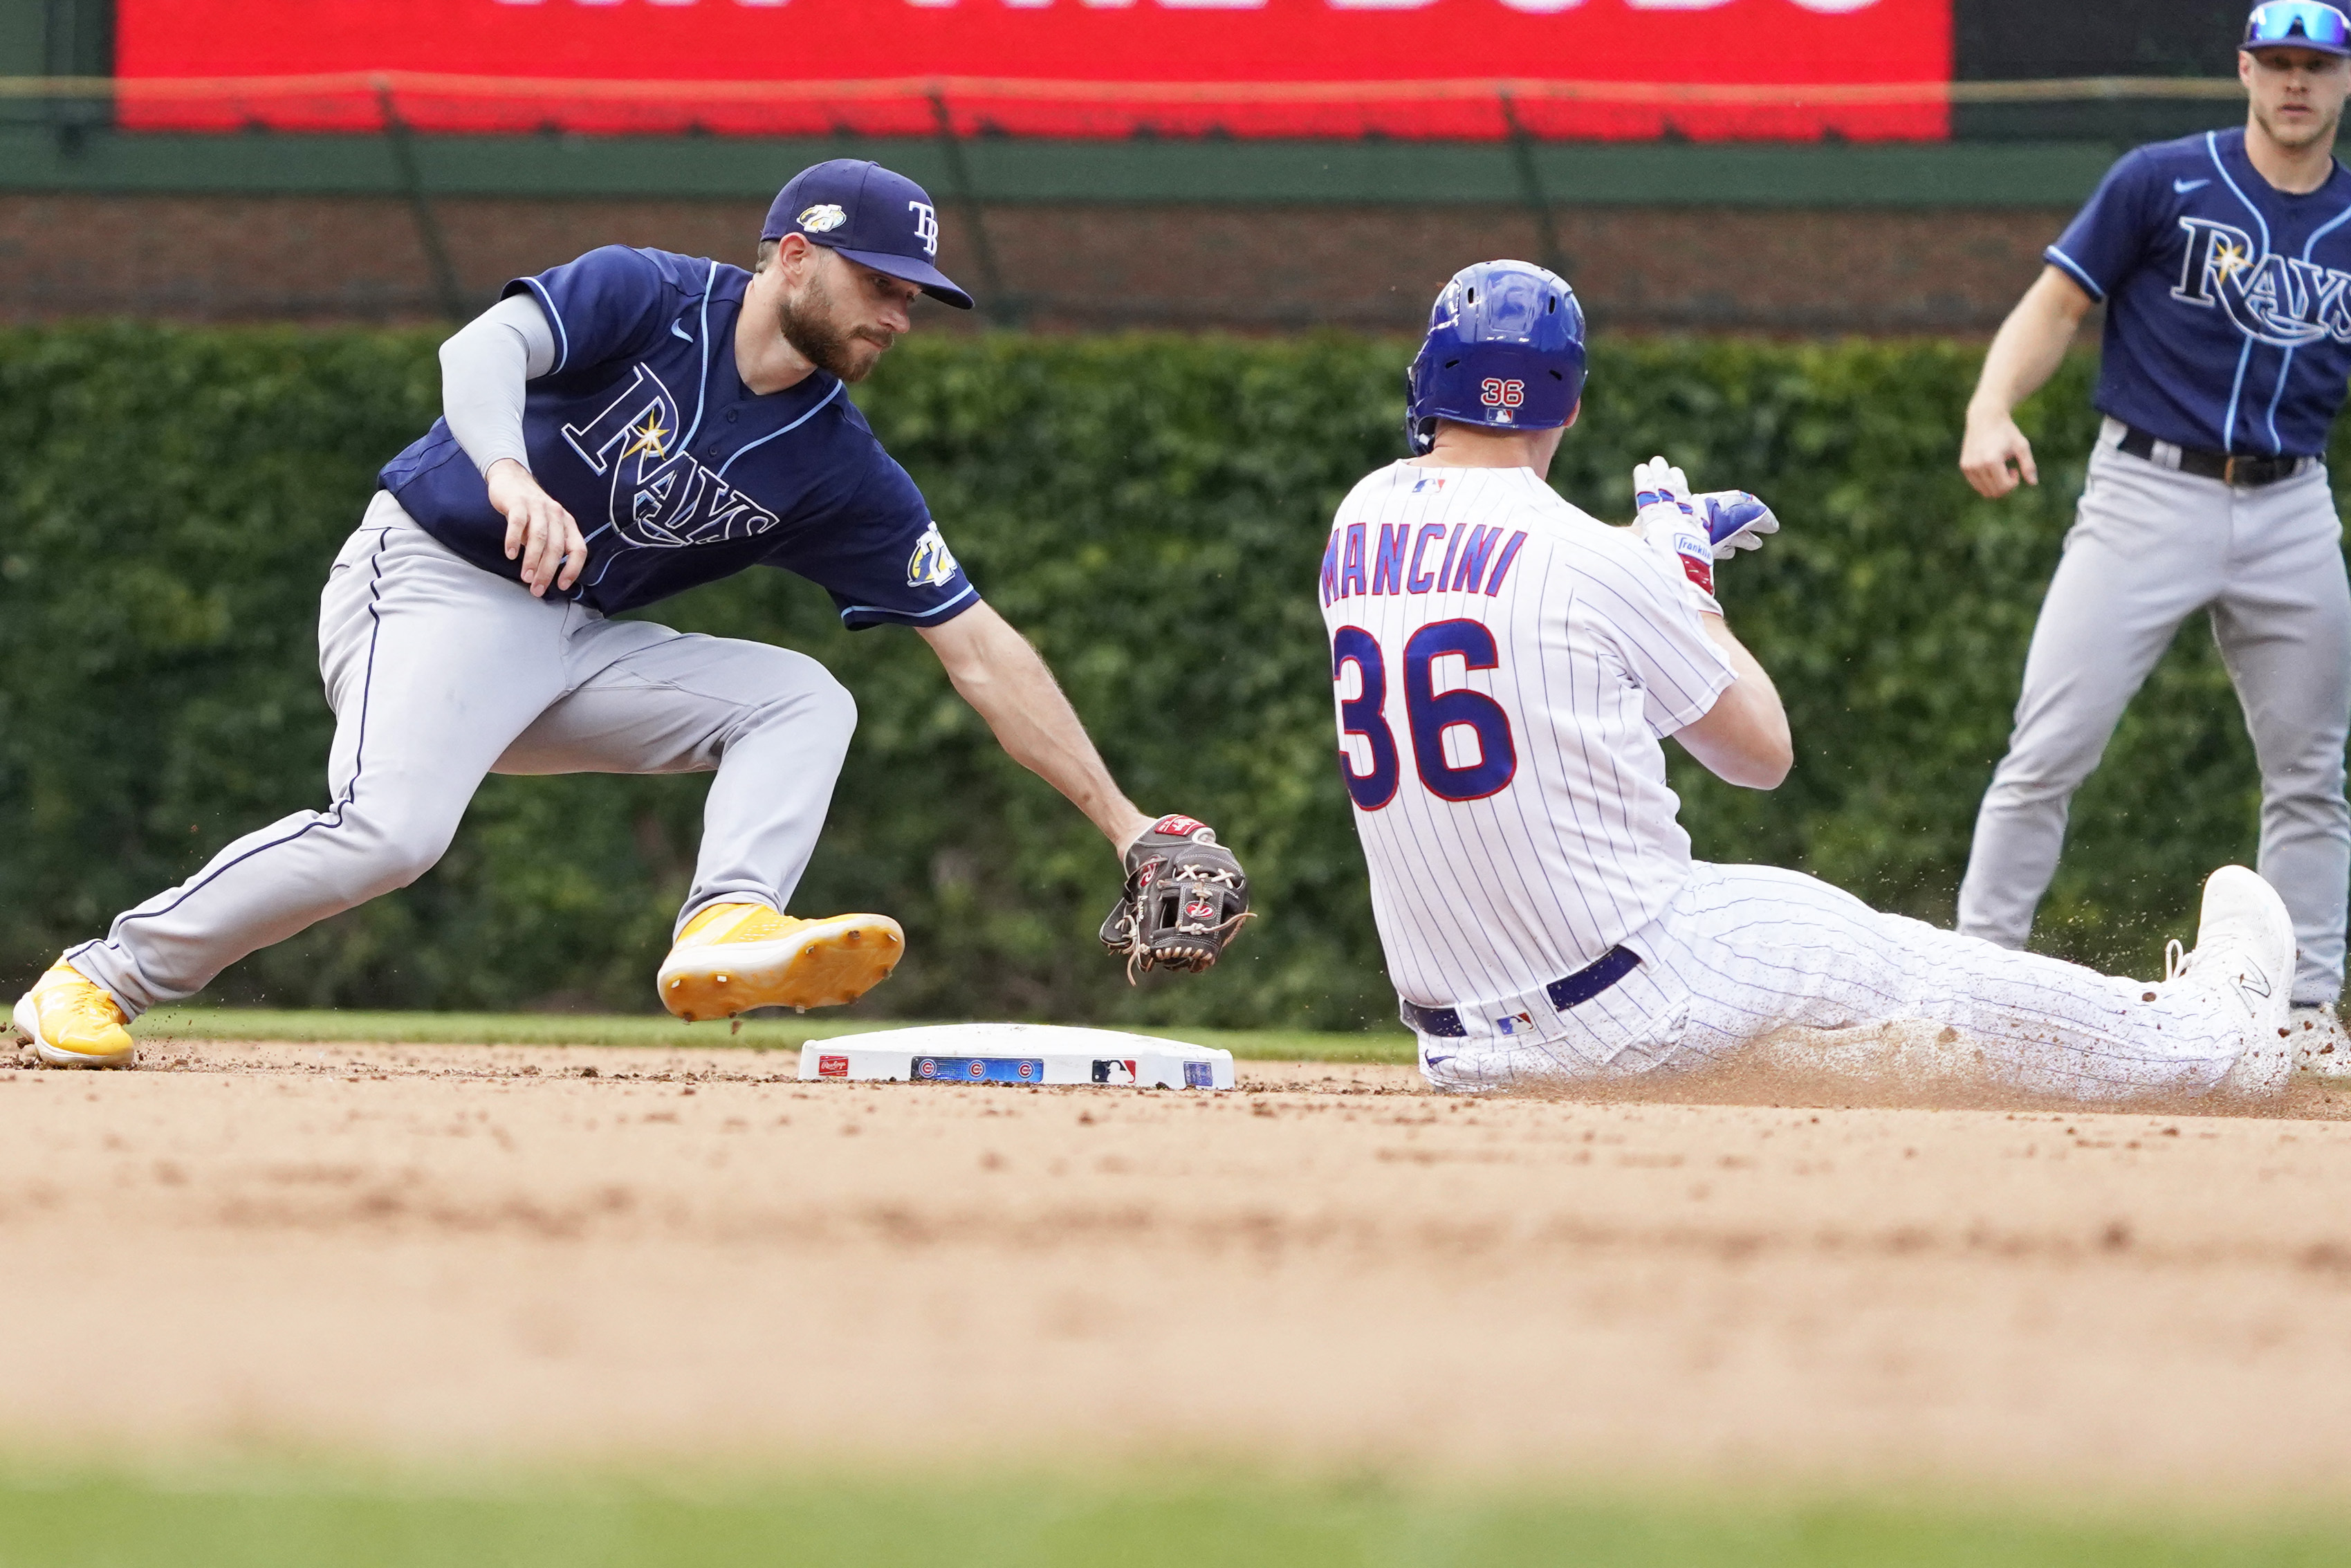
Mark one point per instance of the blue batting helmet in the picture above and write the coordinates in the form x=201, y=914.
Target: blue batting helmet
x=1504, y=349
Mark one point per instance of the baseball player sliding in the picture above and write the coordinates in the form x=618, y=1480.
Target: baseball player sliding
x=2224, y=263
x=615, y=431
x=1506, y=669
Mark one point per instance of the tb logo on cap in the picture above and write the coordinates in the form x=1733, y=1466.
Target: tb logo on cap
x=926, y=226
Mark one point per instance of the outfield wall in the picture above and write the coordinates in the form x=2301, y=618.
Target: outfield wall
x=1190, y=231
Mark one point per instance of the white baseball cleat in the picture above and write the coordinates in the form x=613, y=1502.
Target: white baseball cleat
x=2320, y=1047
x=2245, y=959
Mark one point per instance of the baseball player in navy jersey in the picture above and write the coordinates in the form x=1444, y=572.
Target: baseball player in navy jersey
x=615, y=431
x=2224, y=263
x=1506, y=669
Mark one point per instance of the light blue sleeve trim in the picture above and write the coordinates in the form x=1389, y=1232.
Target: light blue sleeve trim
x=563, y=338
x=968, y=592
x=2059, y=259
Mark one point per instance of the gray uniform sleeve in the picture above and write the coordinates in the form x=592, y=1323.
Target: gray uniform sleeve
x=482, y=369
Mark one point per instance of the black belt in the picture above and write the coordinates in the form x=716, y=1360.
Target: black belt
x=1444, y=1023
x=2249, y=472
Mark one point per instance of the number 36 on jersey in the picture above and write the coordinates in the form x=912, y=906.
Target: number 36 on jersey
x=1416, y=697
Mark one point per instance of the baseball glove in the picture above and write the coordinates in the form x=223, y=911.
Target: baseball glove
x=1185, y=898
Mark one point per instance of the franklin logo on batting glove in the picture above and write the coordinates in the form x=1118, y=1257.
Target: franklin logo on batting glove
x=1668, y=520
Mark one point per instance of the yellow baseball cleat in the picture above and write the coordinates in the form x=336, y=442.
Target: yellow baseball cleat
x=69, y=1022
x=732, y=957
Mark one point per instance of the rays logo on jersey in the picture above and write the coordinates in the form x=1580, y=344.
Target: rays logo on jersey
x=933, y=564
x=2274, y=300
x=661, y=497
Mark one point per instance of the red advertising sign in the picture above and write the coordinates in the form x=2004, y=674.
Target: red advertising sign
x=1702, y=69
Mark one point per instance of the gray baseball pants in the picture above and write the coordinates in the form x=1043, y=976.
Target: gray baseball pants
x=439, y=673
x=2151, y=546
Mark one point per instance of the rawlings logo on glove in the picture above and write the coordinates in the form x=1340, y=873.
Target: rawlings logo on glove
x=1185, y=897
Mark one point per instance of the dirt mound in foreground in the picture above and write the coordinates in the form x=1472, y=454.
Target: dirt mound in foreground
x=535, y=1253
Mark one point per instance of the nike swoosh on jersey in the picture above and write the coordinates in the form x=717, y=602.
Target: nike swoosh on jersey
x=2184, y=186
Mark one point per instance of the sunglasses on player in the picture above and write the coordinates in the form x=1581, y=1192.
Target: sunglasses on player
x=2298, y=23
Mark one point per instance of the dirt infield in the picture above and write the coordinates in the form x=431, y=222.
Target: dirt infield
x=504, y=1252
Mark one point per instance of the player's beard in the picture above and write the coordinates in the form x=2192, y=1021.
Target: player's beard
x=811, y=325
x=2317, y=134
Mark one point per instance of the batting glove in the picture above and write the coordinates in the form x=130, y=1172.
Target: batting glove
x=1669, y=521
x=1735, y=521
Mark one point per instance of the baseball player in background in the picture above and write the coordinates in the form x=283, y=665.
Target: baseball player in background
x=2224, y=263
x=1506, y=667
x=615, y=431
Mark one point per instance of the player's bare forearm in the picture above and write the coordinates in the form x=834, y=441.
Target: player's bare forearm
x=2029, y=346
x=1007, y=684
x=1743, y=738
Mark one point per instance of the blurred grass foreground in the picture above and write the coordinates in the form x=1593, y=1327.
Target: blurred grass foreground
x=976, y=1519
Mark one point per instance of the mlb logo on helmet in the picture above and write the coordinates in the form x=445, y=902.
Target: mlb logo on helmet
x=1505, y=347
x=869, y=214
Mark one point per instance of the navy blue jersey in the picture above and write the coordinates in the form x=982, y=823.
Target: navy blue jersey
x=677, y=473
x=2227, y=322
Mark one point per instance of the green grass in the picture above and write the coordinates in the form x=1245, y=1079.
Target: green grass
x=952, y=1516
x=770, y=1033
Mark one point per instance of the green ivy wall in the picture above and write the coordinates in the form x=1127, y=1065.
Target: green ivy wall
x=1150, y=511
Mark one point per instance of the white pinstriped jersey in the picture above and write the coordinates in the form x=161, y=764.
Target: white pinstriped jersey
x=1506, y=667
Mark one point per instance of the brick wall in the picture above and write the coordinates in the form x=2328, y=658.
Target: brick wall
x=360, y=260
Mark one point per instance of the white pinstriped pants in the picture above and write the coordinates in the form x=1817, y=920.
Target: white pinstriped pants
x=1744, y=951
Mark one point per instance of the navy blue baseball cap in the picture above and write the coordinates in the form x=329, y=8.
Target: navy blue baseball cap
x=868, y=215
x=2299, y=25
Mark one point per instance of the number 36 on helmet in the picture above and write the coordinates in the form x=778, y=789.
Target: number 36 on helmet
x=1504, y=349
